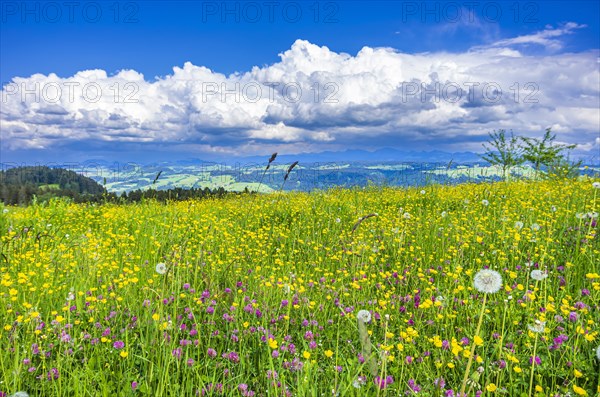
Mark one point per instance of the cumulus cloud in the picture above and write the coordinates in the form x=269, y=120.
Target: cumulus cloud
x=318, y=99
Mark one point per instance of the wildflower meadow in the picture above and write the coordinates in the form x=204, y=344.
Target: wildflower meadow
x=476, y=289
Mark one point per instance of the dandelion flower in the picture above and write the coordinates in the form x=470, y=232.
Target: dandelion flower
x=538, y=275
x=487, y=281
x=538, y=327
x=518, y=225
x=485, y=202
x=364, y=316
x=598, y=353
x=444, y=214
x=596, y=185
x=535, y=227
x=406, y=215
x=161, y=268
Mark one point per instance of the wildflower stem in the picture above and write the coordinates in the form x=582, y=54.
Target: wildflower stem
x=470, y=362
x=532, y=365
x=501, y=337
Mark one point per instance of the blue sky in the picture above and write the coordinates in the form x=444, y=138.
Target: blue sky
x=450, y=43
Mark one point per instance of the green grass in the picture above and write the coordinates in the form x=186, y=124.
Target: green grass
x=273, y=283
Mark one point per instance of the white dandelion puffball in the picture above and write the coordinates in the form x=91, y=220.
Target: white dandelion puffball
x=518, y=225
x=535, y=227
x=364, y=316
x=406, y=215
x=598, y=353
x=538, y=275
x=538, y=327
x=20, y=394
x=596, y=185
x=444, y=214
x=485, y=202
x=161, y=268
x=487, y=281
x=422, y=192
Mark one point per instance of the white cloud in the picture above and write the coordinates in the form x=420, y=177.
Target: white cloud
x=548, y=38
x=319, y=99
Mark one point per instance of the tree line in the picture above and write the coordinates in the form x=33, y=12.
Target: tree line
x=24, y=185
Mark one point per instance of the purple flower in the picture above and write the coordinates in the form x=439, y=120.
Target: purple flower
x=119, y=344
x=190, y=362
x=382, y=383
x=413, y=387
x=53, y=374
x=573, y=317
x=538, y=360
x=439, y=382
x=177, y=353
x=134, y=385
x=234, y=357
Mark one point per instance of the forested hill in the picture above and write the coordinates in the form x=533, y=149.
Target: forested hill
x=19, y=185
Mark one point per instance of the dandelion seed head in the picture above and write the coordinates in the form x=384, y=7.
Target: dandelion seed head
x=598, y=353
x=538, y=327
x=161, y=268
x=485, y=202
x=487, y=281
x=538, y=275
x=596, y=185
x=518, y=225
x=364, y=316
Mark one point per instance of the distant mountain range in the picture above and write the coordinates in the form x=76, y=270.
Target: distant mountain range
x=346, y=156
